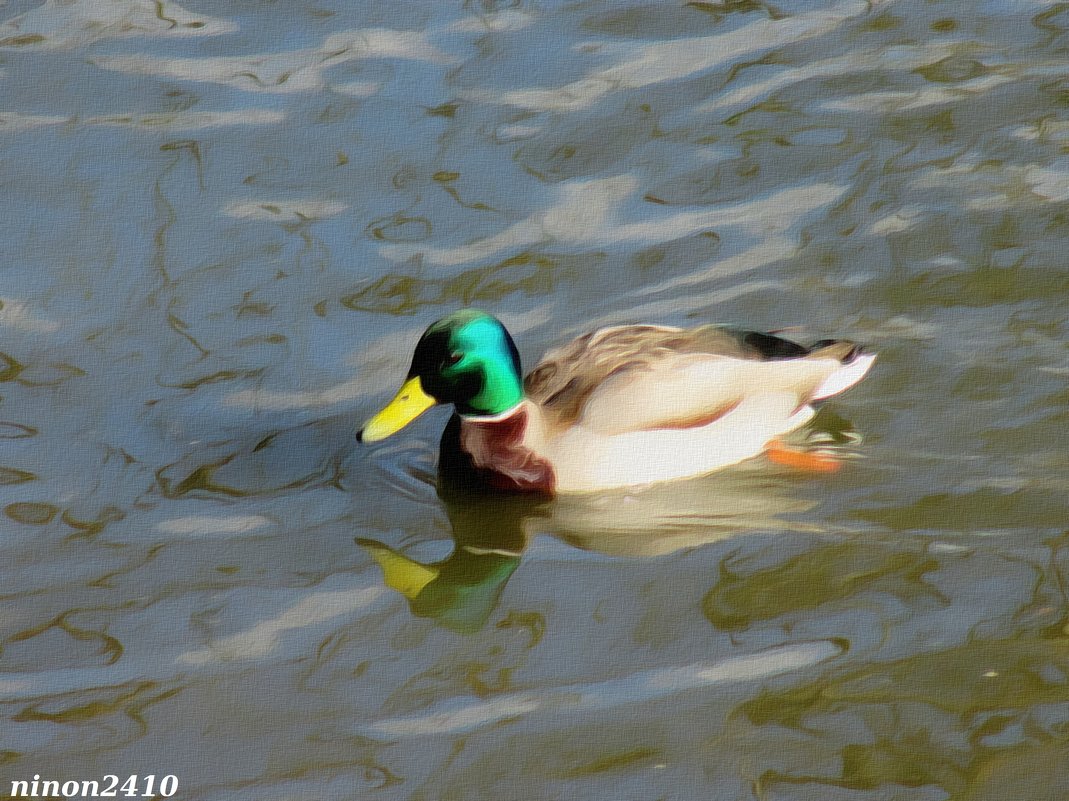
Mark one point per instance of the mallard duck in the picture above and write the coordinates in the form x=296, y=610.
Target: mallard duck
x=622, y=406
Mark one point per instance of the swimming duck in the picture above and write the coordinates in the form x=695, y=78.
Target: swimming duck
x=622, y=406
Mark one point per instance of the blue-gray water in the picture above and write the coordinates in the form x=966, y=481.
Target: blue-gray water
x=224, y=225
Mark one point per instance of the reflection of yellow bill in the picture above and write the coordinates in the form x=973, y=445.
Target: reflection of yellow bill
x=400, y=573
x=411, y=401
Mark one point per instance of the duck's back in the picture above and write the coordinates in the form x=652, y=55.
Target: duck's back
x=644, y=376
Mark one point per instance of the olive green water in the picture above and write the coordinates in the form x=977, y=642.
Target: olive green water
x=224, y=226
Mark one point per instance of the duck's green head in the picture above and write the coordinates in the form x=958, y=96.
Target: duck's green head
x=467, y=359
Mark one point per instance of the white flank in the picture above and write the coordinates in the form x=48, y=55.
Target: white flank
x=845, y=377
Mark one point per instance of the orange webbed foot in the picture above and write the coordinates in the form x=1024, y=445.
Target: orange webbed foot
x=812, y=461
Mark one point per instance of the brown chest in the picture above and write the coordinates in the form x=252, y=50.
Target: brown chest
x=498, y=452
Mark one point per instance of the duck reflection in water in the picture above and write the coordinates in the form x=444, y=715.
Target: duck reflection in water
x=491, y=531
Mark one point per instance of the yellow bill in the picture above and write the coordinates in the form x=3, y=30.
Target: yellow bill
x=411, y=401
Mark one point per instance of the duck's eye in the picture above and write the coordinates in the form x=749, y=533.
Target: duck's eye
x=452, y=359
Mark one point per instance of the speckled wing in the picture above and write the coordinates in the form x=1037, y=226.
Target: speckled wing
x=640, y=377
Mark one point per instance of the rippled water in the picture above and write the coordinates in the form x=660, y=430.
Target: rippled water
x=225, y=223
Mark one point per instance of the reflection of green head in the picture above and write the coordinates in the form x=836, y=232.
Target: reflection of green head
x=460, y=592
x=468, y=359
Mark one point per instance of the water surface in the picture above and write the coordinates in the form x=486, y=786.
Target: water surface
x=225, y=225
